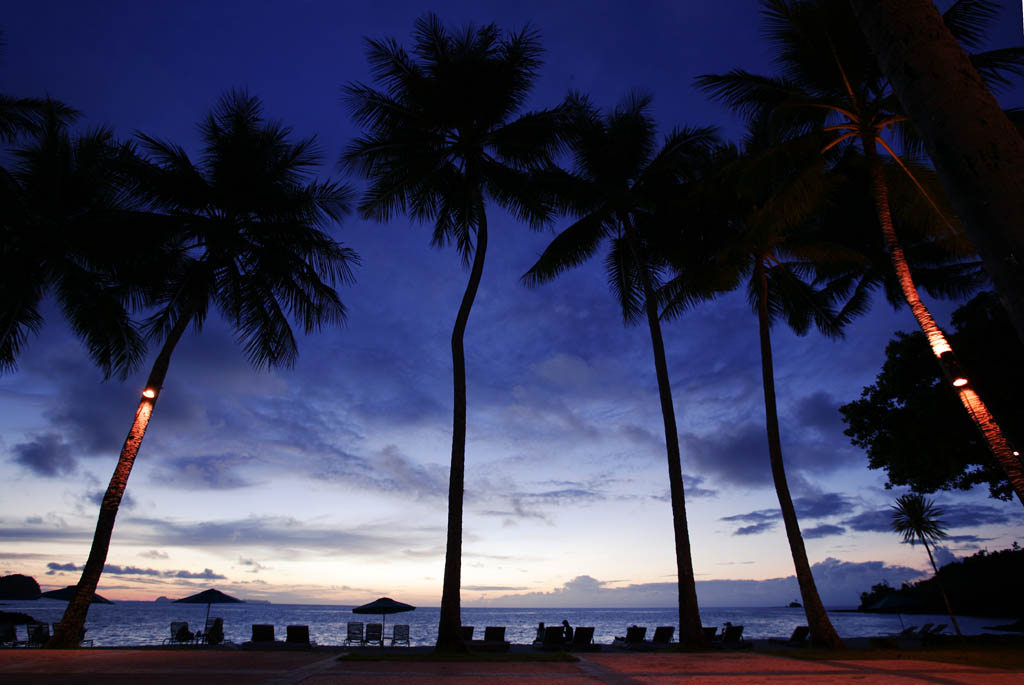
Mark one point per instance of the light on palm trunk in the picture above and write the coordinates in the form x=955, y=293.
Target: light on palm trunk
x=149, y=393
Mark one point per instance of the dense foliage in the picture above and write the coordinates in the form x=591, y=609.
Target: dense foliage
x=910, y=421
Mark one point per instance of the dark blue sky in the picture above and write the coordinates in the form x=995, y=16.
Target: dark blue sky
x=327, y=482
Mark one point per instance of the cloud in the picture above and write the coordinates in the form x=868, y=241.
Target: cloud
x=204, y=472
x=252, y=565
x=953, y=516
x=822, y=505
x=154, y=554
x=127, y=501
x=822, y=531
x=46, y=455
x=755, y=528
x=871, y=520
x=114, y=569
x=839, y=584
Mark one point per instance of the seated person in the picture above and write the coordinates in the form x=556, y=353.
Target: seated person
x=184, y=634
x=567, y=631
x=540, y=632
x=215, y=635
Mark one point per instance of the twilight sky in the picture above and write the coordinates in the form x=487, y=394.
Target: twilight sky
x=327, y=483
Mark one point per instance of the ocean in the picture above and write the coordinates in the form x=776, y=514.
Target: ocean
x=148, y=623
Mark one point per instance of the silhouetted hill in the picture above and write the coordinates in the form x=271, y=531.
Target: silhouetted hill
x=19, y=587
x=984, y=584
x=65, y=594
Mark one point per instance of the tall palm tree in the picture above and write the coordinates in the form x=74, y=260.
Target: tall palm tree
x=444, y=136
x=773, y=194
x=69, y=229
x=830, y=82
x=619, y=190
x=941, y=89
x=250, y=227
x=917, y=518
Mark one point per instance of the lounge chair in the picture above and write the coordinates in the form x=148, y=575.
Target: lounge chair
x=38, y=634
x=494, y=640
x=797, y=639
x=710, y=634
x=583, y=640
x=262, y=633
x=374, y=634
x=663, y=636
x=297, y=635
x=467, y=633
x=934, y=631
x=355, y=633
x=180, y=634
x=8, y=635
x=400, y=635
x=554, y=638
x=214, y=633
x=732, y=638
x=909, y=631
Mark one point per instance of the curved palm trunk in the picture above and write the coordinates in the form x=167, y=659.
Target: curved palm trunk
x=449, y=633
x=71, y=624
x=977, y=410
x=822, y=632
x=690, y=633
x=942, y=590
x=977, y=151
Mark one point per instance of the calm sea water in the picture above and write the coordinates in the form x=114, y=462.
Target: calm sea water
x=148, y=623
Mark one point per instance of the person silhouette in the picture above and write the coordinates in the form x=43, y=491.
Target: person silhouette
x=566, y=631
x=540, y=632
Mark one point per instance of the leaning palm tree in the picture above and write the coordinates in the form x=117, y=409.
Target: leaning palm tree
x=772, y=195
x=621, y=190
x=917, y=518
x=69, y=230
x=444, y=136
x=250, y=226
x=830, y=82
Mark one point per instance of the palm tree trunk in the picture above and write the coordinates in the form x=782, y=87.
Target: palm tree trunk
x=942, y=590
x=449, y=631
x=977, y=151
x=973, y=404
x=823, y=634
x=68, y=633
x=690, y=628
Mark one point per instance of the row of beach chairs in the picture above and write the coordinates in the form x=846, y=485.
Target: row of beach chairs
x=374, y=634
x=36, y=635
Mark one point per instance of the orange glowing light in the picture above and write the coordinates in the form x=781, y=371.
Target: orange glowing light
x=1016, y=453
x=149, y=393
x=959, y=382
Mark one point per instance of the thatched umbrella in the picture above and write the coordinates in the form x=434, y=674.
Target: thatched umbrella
x=383, y=606
x=209, y=597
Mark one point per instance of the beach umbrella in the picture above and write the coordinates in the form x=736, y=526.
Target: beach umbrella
x=209, y=597
x=383, y=606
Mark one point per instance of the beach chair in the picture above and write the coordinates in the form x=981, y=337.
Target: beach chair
x=262, y=633
x=710, y=634
x=583, y=640
x=494, y=640
x=8, y=635
x=797, y=639
x=467, y=633
x=935, y=631
x=554, y=638
x=355, y=633
x=214, y=633
x=635, y=635
x=38, y=634
x=297, y=635
x=180, y=634
x=82, y=642
x=400, y=635
x=663, y=636
x=374, y=634
x=732, y=638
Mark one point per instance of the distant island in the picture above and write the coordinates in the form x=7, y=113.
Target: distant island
x=985, y=584
x=19, y=587
x=64, y=594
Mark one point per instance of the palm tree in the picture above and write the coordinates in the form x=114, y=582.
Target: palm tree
x=917, y=518
x=443, y=137
x=942, y=90
x=19, y=116
x=69, y=229
x=831, y=82
x=250, y=227
x=620, y=190
x=773, y=194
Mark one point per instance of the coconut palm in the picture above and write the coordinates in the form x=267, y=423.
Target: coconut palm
x=69, y=229
x=620, y=191
x=917, y=518
x=444, y=136
x=772, y=195
x=19, y=116
x=250, y=225
x=830, y=82
x=942, y=90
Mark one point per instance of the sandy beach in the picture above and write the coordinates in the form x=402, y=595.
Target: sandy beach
x=322, y=666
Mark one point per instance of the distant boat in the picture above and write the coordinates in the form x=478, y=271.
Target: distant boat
x=795, y=605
